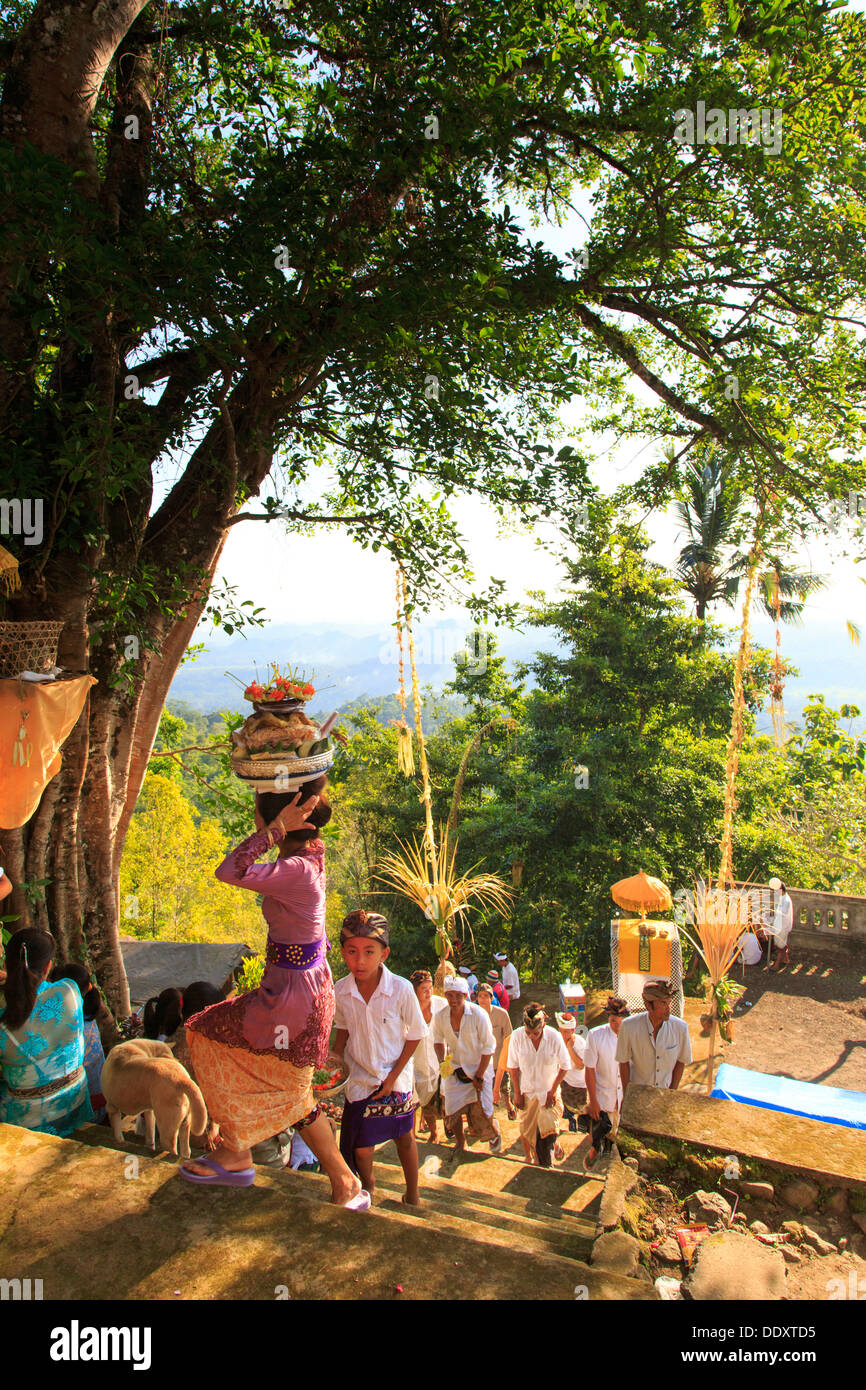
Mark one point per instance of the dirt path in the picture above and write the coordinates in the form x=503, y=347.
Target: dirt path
x=808, y=1023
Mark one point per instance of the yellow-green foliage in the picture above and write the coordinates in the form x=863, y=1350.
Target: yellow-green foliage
x=249, y=976
x=167, y=884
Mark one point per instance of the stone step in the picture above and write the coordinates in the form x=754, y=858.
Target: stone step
x=559, y=1229
x=569, y=1236
x=499, y=1181
x=512, y=1233
x=506, y=1177
x=157, y=1237
x=500, y=1204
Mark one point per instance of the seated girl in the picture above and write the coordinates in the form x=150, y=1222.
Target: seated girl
x=44, y=1084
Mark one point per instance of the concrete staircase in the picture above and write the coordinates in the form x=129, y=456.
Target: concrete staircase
x=488, y=1228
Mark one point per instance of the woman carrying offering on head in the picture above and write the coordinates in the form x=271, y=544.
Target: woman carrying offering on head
x=254, y=1056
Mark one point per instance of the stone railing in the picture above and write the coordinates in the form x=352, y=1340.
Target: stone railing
x=825, y=920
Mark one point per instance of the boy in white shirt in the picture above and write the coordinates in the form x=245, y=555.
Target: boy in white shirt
x=379, y=1026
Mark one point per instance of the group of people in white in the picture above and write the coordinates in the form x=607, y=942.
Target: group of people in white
x=472, y=1059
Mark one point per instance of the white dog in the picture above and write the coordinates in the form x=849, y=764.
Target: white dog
x=142, y=1077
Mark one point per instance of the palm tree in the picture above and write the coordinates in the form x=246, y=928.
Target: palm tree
x=710, y=517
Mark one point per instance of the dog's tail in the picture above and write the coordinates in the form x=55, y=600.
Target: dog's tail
x=197, y=1108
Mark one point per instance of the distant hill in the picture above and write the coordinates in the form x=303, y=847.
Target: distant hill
x=352, y=665
x=346, y=665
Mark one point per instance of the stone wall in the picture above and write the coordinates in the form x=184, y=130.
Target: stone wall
x=825, y=921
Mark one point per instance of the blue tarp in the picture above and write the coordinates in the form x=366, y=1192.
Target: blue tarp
x=828, y=1103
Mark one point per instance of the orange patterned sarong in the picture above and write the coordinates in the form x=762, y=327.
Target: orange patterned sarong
x=251, y=1096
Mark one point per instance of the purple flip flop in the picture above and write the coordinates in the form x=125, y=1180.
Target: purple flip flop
x=222, y=1177
x=362, y=1201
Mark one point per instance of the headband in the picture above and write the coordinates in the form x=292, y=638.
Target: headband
x=454, y=985
x=420, y=977
x=617, y=1006
x=534, y=1015
x=659, y=990
x=361, y=923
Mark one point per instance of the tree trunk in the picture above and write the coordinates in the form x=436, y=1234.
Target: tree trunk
x=76, y=838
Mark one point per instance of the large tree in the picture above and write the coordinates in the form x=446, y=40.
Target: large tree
x=244, y=241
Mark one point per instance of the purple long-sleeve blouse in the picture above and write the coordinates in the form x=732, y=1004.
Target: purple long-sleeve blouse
x=291, y=1013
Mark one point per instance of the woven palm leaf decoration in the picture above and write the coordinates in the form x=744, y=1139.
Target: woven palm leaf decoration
x=405, y=751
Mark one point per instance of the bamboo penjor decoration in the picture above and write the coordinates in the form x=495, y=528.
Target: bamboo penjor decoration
x=732, y=764
x=721, y=917
x=405, y=752
x=423, y=872
x=777, y=702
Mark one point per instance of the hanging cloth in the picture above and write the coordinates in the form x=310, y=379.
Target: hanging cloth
x=35, y=721
x=645, y=955
x=9, y=578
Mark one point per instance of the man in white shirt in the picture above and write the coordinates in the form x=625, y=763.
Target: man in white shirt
x=464, y=1031
x=502, y=1030
x=653, y=1048
x=603, y=1081
x=537, y=1061
x=572, y=1087
x=750, y=948
x=783, y=922
x=471, y=980
x=510, y=977
x=379, y=1026
x=425, y=1061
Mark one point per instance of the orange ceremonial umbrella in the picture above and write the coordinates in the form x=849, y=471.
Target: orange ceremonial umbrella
x=642, y=894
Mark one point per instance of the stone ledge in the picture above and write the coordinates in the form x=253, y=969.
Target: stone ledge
x=159, y=1238
x=829, y=1153
x=620, y=1181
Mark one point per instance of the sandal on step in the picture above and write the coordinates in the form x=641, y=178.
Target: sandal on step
x=221, y=1177
x=362, y=1201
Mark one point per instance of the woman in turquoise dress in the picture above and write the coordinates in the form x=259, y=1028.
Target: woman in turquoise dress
x=43, y=1084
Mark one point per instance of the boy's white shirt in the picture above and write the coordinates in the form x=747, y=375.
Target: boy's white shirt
x=378, y=1031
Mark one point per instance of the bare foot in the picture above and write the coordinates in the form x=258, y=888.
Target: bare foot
x=405, y=1200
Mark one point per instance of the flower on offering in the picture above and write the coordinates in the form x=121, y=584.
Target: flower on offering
x=326, y=1081
x=280, y=687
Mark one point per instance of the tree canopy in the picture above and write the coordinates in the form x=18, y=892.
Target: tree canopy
x=288, y=251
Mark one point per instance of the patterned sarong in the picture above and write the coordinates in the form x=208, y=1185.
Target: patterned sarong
x=367, y=1123
x=458, y=1098
x=250, y=1095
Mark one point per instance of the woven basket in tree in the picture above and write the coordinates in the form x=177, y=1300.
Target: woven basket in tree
x=28, y=647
